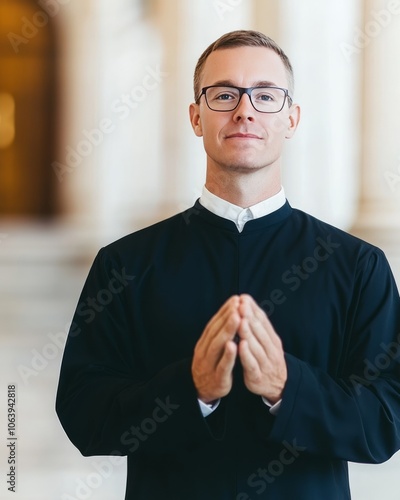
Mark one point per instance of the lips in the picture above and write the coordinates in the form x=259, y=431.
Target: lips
x=241, y=135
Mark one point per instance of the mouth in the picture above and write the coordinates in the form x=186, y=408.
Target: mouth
x=242, y=136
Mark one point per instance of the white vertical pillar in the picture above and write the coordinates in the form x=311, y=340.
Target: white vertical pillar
x=379, y=42
x=320, y=171
x=77, y=104
x=130, y=109
x=111, y=135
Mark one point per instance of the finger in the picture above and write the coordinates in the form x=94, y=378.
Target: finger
x=230, y=305
x=227, y=362
x=257, y=347
x=221, y=329
x=265, y=351
x=215, y=348
x=260, y=325
x=249, y=362
x=266, y=323
x=223, y=324
x=219, y=382
x=253, y=320
x=245, y=305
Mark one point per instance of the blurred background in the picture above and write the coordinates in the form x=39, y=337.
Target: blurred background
x=95, y=142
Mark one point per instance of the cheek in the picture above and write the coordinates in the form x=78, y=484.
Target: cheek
x=277, y=126
x=212, y=123
x=210, y=143
x=211, y=134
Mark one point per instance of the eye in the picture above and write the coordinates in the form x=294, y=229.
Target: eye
x=224, y=96
x=265, y=96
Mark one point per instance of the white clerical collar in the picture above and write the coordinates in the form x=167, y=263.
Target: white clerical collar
x=240, y=215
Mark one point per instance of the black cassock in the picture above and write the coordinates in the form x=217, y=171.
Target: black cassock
x=126, y=388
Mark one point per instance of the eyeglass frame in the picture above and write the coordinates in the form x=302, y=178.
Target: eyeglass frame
x=248, y=91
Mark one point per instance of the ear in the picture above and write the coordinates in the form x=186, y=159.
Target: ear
x=294, y=119
x=194, y=113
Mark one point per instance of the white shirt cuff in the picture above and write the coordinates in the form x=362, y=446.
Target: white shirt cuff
x=273, y=408
x=207, y=409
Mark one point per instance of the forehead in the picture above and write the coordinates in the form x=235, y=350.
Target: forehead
x=244, y=66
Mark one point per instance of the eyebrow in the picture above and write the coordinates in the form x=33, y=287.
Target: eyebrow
x=261, y=83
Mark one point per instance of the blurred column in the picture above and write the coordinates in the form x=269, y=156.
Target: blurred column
x=73, y=163
x=131, y=83
x=108, y=161
x=378, y=41
x=321, y=163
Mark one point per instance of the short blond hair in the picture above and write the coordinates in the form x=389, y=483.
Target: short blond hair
x=241, y=38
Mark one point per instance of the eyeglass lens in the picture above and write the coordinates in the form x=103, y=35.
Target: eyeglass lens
x=264, y=99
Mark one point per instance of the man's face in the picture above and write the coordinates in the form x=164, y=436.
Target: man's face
x=244, y=139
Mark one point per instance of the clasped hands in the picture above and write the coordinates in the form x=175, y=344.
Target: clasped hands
x=259, y=349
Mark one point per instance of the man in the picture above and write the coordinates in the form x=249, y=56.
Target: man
x=242, y=349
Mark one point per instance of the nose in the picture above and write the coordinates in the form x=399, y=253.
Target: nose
x=244, y=110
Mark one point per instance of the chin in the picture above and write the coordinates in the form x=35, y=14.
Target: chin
x=244, y=168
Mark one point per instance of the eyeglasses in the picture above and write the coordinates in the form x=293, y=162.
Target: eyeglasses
x=263, y=99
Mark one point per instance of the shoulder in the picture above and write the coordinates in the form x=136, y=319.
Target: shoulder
x=347, y=247
x=150, y=239
x=313, y=225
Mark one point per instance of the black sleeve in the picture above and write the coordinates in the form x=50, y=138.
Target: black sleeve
x=104, y=402
x=355, y=415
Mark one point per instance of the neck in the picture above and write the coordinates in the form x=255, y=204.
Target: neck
x=244, y=189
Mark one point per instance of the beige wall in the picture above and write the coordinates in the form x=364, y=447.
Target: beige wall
x=149, y=164
x=126, y=153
